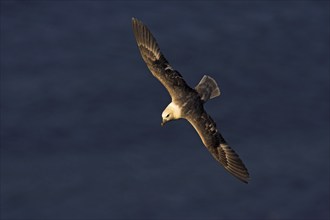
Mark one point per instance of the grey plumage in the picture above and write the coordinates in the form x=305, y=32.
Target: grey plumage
x=207, y=88
x=190, y=101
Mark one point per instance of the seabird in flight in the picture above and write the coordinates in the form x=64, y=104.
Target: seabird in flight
x=188, y=103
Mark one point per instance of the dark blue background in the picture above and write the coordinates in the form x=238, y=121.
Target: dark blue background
x=80, y=112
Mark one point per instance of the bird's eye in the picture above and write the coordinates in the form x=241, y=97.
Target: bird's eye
x=167, y=115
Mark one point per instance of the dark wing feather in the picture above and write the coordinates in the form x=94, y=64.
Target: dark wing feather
x=156, y=62
x=216, y=144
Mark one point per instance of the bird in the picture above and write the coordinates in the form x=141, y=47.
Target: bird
x=188, y=103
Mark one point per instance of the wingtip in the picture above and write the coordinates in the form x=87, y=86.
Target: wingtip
x=133, y=20
x=245, y=178
x=242, y=175
x=232, y=163
x=246, y=181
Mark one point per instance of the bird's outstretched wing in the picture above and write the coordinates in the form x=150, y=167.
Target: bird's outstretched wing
x=156, y=62
x=218, y=147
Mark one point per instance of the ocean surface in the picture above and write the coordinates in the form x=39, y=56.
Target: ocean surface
x=80, y=111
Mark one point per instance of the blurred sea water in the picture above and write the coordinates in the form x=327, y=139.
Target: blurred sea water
x=80, y=112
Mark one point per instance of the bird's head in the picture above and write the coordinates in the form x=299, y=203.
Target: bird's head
x=171, y=112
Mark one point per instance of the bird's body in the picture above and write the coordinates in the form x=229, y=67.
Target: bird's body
x=187, y=102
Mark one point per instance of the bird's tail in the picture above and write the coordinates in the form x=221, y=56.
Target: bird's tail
x=207, y=88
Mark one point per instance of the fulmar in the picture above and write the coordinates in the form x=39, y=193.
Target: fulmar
x=188, y=103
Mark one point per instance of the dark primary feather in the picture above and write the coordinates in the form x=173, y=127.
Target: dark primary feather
x=156, y=62
x=216, y=144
